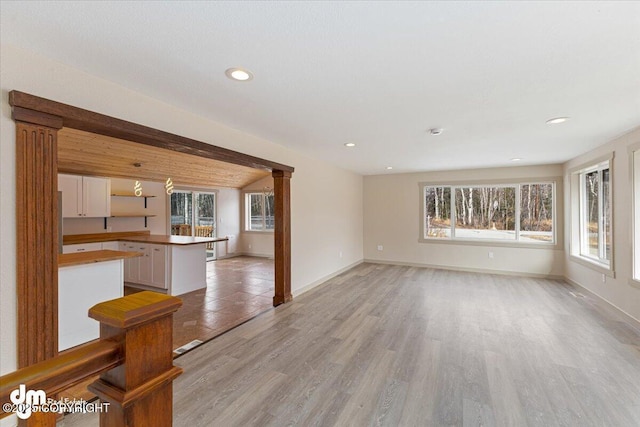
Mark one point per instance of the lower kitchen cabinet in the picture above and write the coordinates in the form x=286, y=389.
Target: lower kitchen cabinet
x=81, y=247
x=173, y=269
x=159, y=265
x=151, y=268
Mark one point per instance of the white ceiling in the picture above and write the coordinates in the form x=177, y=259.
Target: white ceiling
x=379, y=74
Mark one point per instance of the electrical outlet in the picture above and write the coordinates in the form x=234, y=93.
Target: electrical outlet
x=379, y=247
x=604, y=278
x=491, y=254
x=249, y=245
x=340, y=254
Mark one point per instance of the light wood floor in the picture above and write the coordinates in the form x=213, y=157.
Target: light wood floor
x=390, y=345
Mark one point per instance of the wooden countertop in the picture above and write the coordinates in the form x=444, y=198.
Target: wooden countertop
x=78, y=258
x=139, y=236
x=101, y=237
x=174, y=240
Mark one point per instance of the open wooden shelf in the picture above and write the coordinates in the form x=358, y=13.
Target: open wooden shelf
x=130, y=215
x=130, y=195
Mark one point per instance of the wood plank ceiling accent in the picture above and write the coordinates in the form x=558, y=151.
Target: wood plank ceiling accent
x=86, y=153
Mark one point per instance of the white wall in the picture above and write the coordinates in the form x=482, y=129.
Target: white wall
x=326, y=201
x=392, y=219
x=619, y=291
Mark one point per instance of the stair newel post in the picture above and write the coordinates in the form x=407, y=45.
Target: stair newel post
x=139, y=391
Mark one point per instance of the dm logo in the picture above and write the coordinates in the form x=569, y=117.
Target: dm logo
x=25, y=400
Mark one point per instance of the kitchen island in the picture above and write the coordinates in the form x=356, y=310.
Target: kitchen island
x=84, y=280
x=170, y=264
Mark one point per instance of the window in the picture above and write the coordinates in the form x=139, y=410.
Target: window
x=636, y=215
x=259, y=212
x=193, y=213
x=591, y=215
x=595, y=213
x=522, y=213
x=438, y=212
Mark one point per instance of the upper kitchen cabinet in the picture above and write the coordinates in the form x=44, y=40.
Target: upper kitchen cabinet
x=85, y=196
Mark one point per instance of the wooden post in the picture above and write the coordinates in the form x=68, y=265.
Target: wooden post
x=37, y=241
x=282, y=236
x=140, y=391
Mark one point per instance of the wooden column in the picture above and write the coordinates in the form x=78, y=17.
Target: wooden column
x=140, y=391
x=282, y=236
x=36, y=235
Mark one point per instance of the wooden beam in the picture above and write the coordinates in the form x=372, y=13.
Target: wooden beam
x=78, y=118
x=36, y=118
x=282, y=236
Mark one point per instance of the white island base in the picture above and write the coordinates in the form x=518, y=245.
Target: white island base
x=188, y=269
x=171, y=268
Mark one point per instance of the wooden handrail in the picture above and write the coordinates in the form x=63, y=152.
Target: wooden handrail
x=61, y=372
x=134, y=358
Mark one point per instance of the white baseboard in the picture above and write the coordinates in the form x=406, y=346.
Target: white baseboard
x=270, y=256
x=227, y=256
x=628, y=317
x=296, y=293
x=469, y=270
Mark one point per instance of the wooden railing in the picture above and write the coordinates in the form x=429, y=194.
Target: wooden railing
x=134, y=358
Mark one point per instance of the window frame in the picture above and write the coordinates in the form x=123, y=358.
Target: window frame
x=577, y=196
x=634, y=175
x=555, y=182
x=584, y=241
x=247, y=212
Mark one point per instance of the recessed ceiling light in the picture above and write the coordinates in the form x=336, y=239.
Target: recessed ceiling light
x=389, y=168
x=557, y=120
x=239, y=74
x=516, y=159
x=350, y=144
x=436, y=131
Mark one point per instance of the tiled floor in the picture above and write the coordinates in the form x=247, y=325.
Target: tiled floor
x=238, y=289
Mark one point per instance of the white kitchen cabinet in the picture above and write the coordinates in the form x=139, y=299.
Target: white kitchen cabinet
x=149, y=269
x=85, y=196
x=159, y=265
x=131, y=265
x=81, y=247
x=71, y=187
x=145, y=268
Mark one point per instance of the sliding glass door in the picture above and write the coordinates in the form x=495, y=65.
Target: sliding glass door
x=193, y=213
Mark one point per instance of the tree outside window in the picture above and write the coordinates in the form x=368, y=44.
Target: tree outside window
x=515, y=212
x=260, y=212
x=595, y=208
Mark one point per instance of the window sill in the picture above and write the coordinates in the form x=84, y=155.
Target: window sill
x=494, y=243
x=594, y=265
x=635, y=283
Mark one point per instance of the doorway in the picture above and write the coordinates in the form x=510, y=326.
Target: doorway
x=193, y=213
